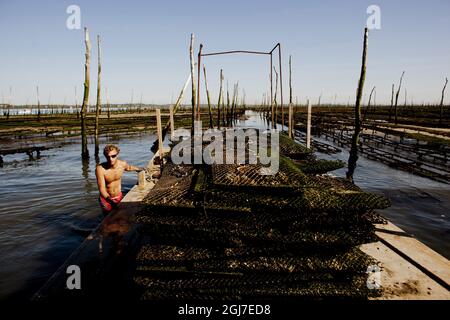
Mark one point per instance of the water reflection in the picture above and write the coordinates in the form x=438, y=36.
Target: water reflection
x=60, y=210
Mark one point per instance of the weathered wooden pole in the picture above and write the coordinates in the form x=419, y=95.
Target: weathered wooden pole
x=290, y=120
x=441, y=105
x=396, y=97
x=220, y=98
x=223, y=109
x=159, y=132
x=209, y=101
x=406, y=95
x=84, y=148
x=272, y=107
x=199, y=57
x=275, y=97
x=98, y=104
x=355, y=139
x=392, y=103
x=234, y=102
x=290, y=98
x=38, y=104
x=281, y=86
x=172, y=124
x=107, y=102
x=142, y=181
x=194, y=95
x=368, y=104
x=290, y=79
x=9, y=102
x=228, y=105
x=308, y=127
x=155, y=145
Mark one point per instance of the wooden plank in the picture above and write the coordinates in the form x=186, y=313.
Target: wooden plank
x=401, y=280
x=430, y=260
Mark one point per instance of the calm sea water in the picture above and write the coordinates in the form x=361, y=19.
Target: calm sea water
x=50, y=205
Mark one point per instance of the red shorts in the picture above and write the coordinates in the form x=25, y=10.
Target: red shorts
x=106, y=205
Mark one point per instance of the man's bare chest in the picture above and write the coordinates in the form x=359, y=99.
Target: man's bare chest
x=112, y=175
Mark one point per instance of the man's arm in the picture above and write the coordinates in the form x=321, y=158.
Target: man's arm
x=101, y=182
x=132, y=168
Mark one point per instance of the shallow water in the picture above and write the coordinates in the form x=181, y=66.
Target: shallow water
x=50, y=205
x=420, y=206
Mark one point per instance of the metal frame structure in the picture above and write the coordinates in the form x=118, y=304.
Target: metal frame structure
x=278, y=45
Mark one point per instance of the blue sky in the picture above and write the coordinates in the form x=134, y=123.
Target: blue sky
x=145, y=48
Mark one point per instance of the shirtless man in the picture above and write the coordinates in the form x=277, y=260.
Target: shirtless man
x=109, y=178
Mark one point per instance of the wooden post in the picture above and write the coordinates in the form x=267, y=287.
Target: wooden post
x=281, y=86
x=209, y=101
x=191, y=56
x=155, y=145
x=84, y=149
x=172, y=124
x=199, y=57
x=98, y=104
x=271, y=92
x=441, y=106
x=355, y=138
x=308, y=127
x=159, y=132
x=392, y=103
x=228, y=105
x=291, y=111
x=141, y=180
x=107, y=103
x=290, y=120
x=38, y=104
x=290, y=79
x=275, y=104
x=220, y=98
x=396, y=97
x=368, y=105
x=234, y=102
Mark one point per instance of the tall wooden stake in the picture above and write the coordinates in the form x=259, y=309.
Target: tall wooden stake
x=392, y=103
x=355, y=139
x=209, y=101
x=220, y=98
x=159, y=132
x=155, y=145
x=38, y=104
x=441, y=105
x=396, y=97
x=84, y=148
x=308, y=127
x=98, y=104
x=172, y=124
x=290, y=120
x=194, y=95
x=281, y=86
x=290, y=80
x=275, y=104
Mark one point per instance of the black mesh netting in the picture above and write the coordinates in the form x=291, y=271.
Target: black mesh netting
x=225, y=231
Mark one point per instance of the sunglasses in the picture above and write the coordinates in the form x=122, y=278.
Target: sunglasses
x=111, y=156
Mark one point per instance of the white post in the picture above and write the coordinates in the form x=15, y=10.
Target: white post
x=172, y=124
x=308, y=127
x=159, y=132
